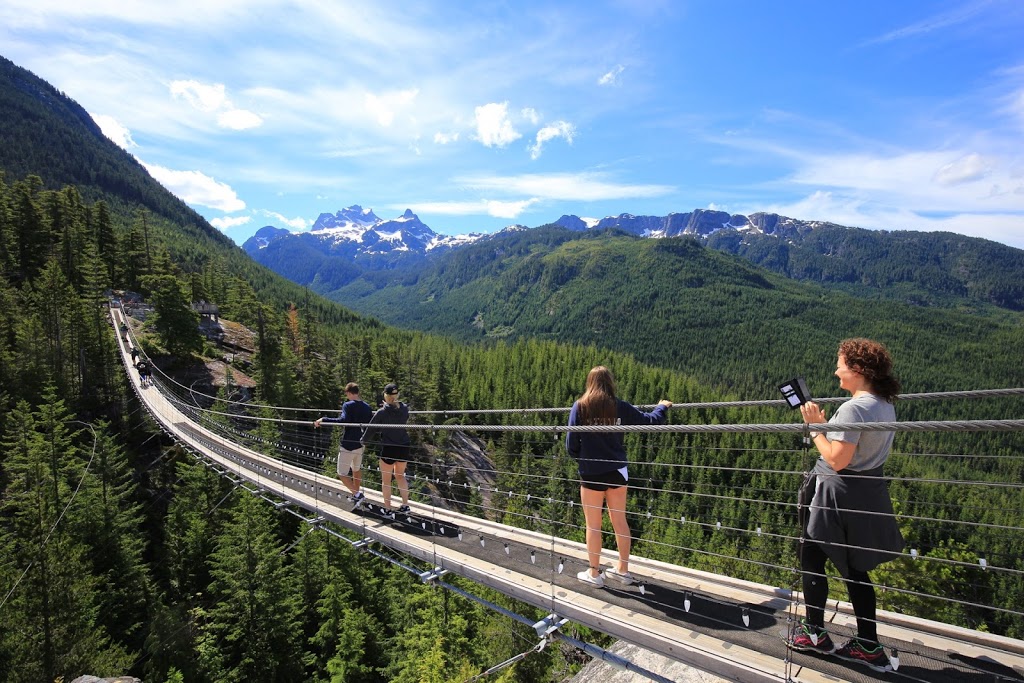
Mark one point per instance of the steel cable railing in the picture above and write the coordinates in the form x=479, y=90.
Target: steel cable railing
x=719, y=500
x=300, y=442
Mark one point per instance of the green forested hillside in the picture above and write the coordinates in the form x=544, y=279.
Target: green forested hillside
x=48, y=136
x=677, y=304
x=930, y=269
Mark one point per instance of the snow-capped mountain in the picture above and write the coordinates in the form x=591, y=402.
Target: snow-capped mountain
x=359, y=234
x=356, y=232
x=342, y=246
x=698, y=223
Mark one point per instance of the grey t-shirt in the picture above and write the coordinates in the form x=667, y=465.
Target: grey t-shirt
x=872, y=447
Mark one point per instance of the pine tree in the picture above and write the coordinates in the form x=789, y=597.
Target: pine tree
x=253, y=632
x=193, y=521
x=8, y=235
x=111, y=527
x=30, y=227
x=176, y=323
x=52, y=615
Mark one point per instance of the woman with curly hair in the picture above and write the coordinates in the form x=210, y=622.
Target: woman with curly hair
x=847, y=515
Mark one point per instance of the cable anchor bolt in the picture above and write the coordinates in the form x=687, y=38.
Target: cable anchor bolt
x=549, y=625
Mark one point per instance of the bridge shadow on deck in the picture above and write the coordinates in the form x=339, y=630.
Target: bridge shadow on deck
x=764, y=630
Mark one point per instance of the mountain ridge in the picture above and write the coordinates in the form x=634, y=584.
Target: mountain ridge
x=921, y=268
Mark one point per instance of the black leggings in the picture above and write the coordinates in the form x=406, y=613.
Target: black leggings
x=858, y=585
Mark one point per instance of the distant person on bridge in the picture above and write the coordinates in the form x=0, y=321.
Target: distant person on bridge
x=601, y=458
x=395, y=445
x=145, y=379
x=354, y=411
x=846, y=511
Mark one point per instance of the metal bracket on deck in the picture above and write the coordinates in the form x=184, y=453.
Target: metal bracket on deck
x=549, y=624
x=363, y=543
x=432, y=574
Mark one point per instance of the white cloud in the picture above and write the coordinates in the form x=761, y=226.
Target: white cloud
x=113, y=129
x=294, y=224
x=239, y=119
x=205, y=98
x=562, y=129
x=531, y=115
x=197, y=188
x=863, y=213
x=931, y=24
x=226, y=222
x=564, y=186
x=952, y=181
x=509, y=209
x=211, y=99
x=965, y=169
x=445, y=138
x=490, y=207
x=384, y=106
x=1015, y=107
x=493, y=127
x=612, y=77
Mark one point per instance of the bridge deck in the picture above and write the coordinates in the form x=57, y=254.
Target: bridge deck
x=732, y=628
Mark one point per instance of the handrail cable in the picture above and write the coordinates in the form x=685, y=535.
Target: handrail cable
x=906, y=516
x=290, y=436
x=782, y=403
x=776, y=503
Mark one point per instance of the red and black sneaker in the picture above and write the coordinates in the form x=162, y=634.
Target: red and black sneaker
x=809, y=638
x=873, y=657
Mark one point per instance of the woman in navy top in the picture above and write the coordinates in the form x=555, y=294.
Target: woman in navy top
x=601, y=457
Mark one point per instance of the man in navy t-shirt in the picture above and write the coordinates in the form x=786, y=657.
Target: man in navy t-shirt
x=354, y=411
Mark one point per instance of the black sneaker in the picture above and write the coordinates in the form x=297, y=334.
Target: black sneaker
x=404, y=510
x=357, y=498
x=809, y=638
x=873, y=657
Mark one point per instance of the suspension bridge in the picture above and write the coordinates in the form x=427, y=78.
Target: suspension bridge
x=732, y=628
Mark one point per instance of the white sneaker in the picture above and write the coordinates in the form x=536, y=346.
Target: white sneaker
x=585, y=577
x=625, y=578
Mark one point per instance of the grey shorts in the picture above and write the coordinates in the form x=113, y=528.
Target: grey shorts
x=349, y=460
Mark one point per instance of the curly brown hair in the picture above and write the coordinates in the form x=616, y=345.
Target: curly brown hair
x=872, y=360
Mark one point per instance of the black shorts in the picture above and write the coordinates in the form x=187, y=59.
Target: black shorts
x=603, y=481
x=392, y=454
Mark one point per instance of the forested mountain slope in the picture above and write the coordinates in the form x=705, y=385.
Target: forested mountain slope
x=937, y=269
x=675, y=303
x=45, y=133
x=934, y=269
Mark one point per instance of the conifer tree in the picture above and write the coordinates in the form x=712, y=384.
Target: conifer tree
x=8, y=234
x=53, y=613
x=253, y=631
x=111, y=527
x=105, y=238
x=176, y=323
x=56, y=302
x=30, y=227
x=193, y=520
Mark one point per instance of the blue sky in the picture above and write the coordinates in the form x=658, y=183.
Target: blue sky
x=477, y=115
